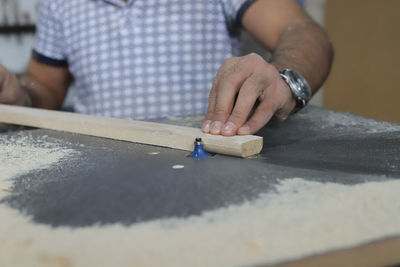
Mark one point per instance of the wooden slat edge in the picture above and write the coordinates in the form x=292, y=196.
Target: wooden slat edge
x=384, y=252
x=159, y=134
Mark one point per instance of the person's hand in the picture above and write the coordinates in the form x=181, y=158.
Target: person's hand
x=10, y=90
x=247, y=92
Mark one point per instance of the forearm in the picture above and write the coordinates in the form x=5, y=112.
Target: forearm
x=46, y=85
x=38, y=94
x=249, y=83
x=305, y=47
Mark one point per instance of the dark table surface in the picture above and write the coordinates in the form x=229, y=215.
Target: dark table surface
x=114, y=181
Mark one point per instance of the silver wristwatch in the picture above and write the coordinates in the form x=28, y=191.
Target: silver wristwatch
x=299, y=87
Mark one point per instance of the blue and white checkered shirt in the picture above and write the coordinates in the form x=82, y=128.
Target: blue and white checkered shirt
x=139, y=59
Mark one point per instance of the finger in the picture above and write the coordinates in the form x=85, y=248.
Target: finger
x=227, y=88
x=250, y=91
x=10, y=92
x=261, y=116
x=9, y=97
x=284, y=112
x=211, y=104
x=225, y=98
x=212, y=96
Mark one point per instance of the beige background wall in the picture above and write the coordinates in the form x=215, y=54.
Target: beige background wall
x=365, y=78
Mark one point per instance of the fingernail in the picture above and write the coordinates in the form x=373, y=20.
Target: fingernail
x=229, y=127
x=244, y=130
x=206, y=126
x=216, y=127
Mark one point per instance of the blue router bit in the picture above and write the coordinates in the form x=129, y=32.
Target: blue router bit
x=199, y=151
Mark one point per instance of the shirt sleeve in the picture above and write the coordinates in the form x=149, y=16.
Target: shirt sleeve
x=48, y=47
x=234, y=11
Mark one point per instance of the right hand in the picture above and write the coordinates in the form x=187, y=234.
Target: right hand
x=246, y=93
x=10, y=91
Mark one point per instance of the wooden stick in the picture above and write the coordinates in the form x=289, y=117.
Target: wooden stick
x=129, y=130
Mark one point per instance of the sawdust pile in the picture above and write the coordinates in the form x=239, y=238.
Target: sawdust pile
x=22, y=153
x=318, y=216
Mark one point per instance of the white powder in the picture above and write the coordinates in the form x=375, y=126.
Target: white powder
x=300, y=218
x=331, y=119
x=22, y=153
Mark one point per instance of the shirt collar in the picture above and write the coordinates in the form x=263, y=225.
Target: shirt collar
x=119, y=3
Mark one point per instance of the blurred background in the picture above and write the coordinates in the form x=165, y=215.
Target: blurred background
x=365, y=34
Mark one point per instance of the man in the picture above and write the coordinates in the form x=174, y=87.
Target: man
x=143, y=59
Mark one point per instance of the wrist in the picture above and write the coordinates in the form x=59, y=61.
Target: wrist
x=29, y=87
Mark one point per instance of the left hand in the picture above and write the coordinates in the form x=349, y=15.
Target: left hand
x=243, y=85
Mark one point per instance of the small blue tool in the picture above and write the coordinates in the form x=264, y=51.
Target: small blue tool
x=199, y=151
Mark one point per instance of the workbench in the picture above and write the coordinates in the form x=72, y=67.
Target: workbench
x=120, y=185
